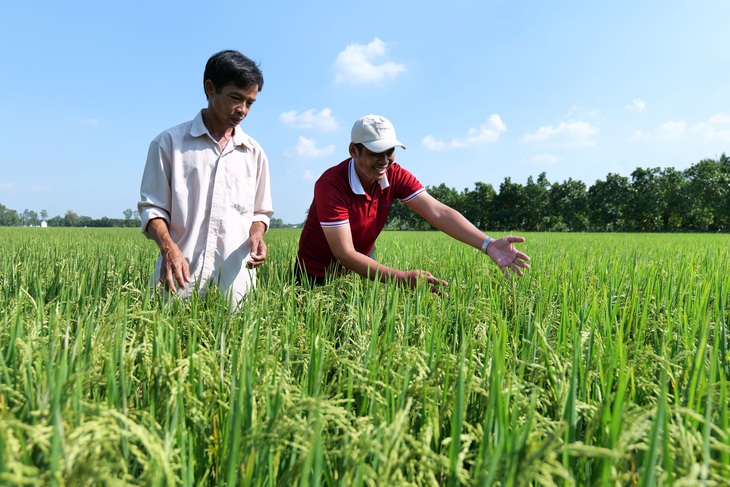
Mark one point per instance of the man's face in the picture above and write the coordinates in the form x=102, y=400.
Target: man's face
x=371, y=166
x=229, y=107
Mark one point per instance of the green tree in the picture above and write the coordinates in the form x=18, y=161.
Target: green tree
x=723, y=210
x=672, y=188
x=644, y=212
x=569, y=206
x=608, y=201
x=26, y=218
x=56, y=221
x=537, y=203
x=478, y=204
x=510, y=207
x=71, y=219
x=8, y=217
x=707, y=189
x=276, y=223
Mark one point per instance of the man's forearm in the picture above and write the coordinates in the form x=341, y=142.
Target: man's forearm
x=370, y=268
x=157, y=229
x=257, y=228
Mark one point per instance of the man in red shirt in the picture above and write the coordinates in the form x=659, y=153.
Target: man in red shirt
x=351, y=205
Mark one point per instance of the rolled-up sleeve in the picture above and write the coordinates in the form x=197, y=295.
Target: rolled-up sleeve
x=155, y=192
x=263, y=206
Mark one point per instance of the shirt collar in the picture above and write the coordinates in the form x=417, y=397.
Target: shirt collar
x=355, y=183
x=199, y=129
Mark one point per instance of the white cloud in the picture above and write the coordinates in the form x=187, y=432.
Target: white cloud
x=310, y=119
x=636, y=105
x=578, y=112
x=665, y=132
x=356, y=64
x=308, y=176
x=568, y=134
x=7, y=185
x=720, y=118
x=717, y=127
x=542, y=159
x=307, y=149
x=489, y=131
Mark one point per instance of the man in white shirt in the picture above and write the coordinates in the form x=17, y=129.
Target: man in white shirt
x=205, y=192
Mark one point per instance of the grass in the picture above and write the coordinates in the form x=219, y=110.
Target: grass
x=606, y=365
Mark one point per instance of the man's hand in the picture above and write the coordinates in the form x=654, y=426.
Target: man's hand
x=257, y=244
x=413, y=278
x=507, y=257
x=175, y=270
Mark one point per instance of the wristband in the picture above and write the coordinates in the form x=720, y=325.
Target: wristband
x=485, y=244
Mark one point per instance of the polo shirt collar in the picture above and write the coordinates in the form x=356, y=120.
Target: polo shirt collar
x=198, y=129
x=355, y=183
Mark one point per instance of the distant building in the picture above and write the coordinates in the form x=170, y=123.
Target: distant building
x=44, y=224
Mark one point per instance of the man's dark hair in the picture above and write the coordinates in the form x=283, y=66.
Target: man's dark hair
x=232, y=67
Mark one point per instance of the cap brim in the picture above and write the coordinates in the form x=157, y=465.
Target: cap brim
x=382, y=145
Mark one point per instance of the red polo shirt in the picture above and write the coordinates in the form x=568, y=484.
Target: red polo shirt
x=339, y=199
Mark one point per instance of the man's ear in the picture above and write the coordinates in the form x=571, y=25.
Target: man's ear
x=209, y=87
x=353, y=150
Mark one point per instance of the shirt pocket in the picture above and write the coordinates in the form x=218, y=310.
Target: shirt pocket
x=243, y=194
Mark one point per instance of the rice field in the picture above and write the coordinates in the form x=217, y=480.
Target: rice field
x=607, y=364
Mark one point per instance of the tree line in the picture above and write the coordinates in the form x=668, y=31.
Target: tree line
x=651, y=200
x=30, y=218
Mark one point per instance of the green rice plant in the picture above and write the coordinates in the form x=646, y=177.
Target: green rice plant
x=607, y=364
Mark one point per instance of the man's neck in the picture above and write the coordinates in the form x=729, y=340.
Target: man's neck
x=220, y=133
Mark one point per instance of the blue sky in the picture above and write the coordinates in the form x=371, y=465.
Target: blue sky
x=477, y=90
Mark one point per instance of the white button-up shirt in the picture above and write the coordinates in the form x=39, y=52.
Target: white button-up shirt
x=209, y=199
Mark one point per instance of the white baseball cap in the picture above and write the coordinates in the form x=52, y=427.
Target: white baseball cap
x=375, y=132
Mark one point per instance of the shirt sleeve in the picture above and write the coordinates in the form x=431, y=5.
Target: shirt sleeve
x=331, y=203
x=406, y=185
x=263, y=206
x=155, y=193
